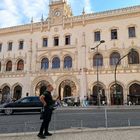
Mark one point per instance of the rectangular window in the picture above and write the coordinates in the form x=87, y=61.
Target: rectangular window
x=10, y=44
x=45, y=42
x=56, y=41
x=0, y=47
x=67, y=40
x=131, y=32
x=114, y=34
x=97, y=36
x=21, y=44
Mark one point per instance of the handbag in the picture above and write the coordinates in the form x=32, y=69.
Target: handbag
x=42, y=114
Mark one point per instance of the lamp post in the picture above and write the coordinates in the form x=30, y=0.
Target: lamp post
x=97, y=70
x=118, y=62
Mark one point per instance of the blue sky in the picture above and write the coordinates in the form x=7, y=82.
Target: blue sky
x=17, y=12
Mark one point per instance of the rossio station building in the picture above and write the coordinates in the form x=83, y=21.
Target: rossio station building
x=57, y=50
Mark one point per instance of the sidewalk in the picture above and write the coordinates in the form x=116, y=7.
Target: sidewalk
x=127, y=133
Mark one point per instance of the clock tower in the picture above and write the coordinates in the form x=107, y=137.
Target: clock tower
x=58, y=10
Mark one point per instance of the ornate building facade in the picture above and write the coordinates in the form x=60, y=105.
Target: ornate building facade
x=58, y=51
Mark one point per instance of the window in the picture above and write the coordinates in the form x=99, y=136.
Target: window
x=133, y=58
x=20, y=65
x=67, y=62
x=45, y=42
x=55, y=63
x=98, y=60
x=114, y=34
x=0, y=66
x=9, y=66
x=131, y=32
x=67, y=40
x=10, y=46
x=114, y=58
x=0, y=47
x=45, y=63
x=56, y=41
x=97, y=36
x=21, y=44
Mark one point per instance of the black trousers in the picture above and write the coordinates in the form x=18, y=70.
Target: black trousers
x=46, y=120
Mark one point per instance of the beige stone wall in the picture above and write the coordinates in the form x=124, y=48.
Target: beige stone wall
x=82, y=40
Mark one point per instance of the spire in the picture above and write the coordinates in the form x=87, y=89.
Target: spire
x=83, y=11
x=42, y=19
x=32, y=20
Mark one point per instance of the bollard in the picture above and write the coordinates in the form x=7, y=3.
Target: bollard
x=129, y=124
x=106, y=124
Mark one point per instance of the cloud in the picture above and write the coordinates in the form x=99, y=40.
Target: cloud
x=15, y=12
x=78, y=6
x=88, y=8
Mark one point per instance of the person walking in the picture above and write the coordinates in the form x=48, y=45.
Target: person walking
x=47, y=101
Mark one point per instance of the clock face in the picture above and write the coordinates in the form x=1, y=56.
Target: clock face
x=57, y=13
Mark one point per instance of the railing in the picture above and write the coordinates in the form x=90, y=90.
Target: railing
x=70, y=118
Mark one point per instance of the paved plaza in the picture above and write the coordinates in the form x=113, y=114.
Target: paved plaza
x=127, y=133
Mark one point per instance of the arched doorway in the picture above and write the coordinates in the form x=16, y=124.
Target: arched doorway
x=98, y=94
x=67, y=88
x=67, y=91
x=5, y=94
x=17, y=92
x=134, y=94
x=41, y=87
x=116, y=92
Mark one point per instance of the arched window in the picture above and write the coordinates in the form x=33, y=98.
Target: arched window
x=67, y=62
x=133, y=58
x=20, y=65
x=98, y=60
x=0, y=66
x=114, y=58
x=55, y=63
x=45, y=63
x=9, y=66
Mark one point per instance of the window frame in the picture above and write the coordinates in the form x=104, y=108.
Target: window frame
x=21, y=44
x=67, y=39
x=20, y=65
x=9, y=68
x=97, y=36
x=131, y=32
x=56, y=41
x=114, y=34
x=45, y=42
x=0, y=47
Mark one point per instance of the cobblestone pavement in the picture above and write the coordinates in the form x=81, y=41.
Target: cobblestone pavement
x=132, y=133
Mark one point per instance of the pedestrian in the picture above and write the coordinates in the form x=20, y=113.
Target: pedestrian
x=47, y=101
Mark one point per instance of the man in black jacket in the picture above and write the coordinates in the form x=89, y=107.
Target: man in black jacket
x=47, y=101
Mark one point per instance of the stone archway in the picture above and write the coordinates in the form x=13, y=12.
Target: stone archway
x=67, y=88
x=39, y=82
x=116, y=94
x=5, y=93
x=17, y=92
x=98, y=95
x=134, y=94
x=41, y=87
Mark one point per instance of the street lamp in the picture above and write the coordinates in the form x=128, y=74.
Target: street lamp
x=118, y=62
x=98, y=93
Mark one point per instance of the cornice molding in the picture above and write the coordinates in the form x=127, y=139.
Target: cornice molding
x=75, y=20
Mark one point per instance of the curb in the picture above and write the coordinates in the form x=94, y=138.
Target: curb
x=73, y=130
